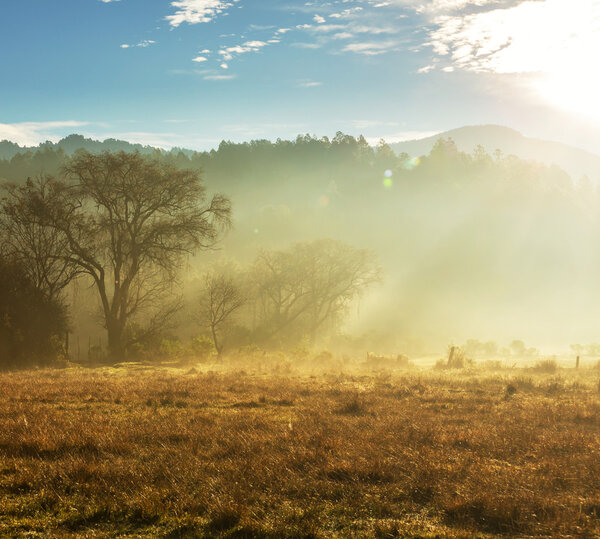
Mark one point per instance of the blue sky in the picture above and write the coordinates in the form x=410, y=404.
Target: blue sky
x=193, y=72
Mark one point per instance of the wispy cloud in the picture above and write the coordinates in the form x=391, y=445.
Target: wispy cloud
x=227, y=53
x=33, y=133
x=371, y=30
x=533, y=36
x=309, y=84
x=552, y=40
x=371, y=48
x=219, y=77
x=143, y=44
x=165, y=140
x=401, y=136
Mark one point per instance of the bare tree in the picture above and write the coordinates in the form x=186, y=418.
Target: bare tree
x=127, y=222
x=38, y=249
x=220, y=299
x=300, y=289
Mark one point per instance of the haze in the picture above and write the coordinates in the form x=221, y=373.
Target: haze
x=459, y=260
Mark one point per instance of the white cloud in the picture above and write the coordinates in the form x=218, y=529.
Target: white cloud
x=374, y=31
x=33, y=133
x=437, y=7
x=143, y=44
x=371, y=48
x=161, y=140
x=553, y=40
x=324, y=28
x=343, y=35
x=402, y=136
x=227, y=53
x=532, y=37
x=346, y=13
x=219, y=77
x=309, y=84
x=199, y=59
x=426, y=69
x=197, y=11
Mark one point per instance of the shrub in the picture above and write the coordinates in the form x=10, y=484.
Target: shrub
x=202, y=347
x=171, y=349
x=353, y=406
x=492, y=365
x=32, y=325
x=548, y=366
x=456, y=359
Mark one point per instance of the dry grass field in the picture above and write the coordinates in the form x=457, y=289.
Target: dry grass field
x=132, y=451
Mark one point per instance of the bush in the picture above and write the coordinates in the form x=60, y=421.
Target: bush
x=354, y=405
x=548, y=366
x=32, y=325
x=492, y=365
x=170, y=349
x=202, y=347
x=456, y=359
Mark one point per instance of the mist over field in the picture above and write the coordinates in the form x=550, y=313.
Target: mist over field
x=472, y=246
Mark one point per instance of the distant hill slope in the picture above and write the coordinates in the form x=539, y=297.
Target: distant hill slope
x=575, y=161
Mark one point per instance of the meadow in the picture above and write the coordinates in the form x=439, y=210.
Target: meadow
x=271, y=451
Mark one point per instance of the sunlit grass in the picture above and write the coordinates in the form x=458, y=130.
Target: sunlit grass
x=248, y=452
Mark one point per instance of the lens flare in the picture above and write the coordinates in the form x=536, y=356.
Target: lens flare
x=411, y=163
x=324, y=201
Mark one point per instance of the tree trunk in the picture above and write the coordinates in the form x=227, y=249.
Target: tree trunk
x=116, y=345
x=218, y=348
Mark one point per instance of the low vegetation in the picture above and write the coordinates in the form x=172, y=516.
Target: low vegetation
x=249, y=452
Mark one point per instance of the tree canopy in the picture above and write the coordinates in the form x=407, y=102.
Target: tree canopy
x=127, y=222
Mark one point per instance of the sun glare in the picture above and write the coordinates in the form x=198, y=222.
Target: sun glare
x=574, y=92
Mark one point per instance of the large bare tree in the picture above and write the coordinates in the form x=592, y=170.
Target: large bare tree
x=128, y=222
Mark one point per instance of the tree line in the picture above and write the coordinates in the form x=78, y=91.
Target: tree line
x=287, y=195
x=126, y=223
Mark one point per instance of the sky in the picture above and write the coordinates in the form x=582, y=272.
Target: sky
x=191, y=73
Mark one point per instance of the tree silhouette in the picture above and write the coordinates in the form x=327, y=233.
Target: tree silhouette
x=220, y=299
x=301, y=289
x=127, y=221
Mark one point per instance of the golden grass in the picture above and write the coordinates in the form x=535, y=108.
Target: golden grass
x=122, y=452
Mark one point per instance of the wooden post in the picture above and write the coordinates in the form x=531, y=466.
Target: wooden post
x=577, y=362
x=451, y=356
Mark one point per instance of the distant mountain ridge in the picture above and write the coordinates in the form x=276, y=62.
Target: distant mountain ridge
x=575, y=161
x=75, y=142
